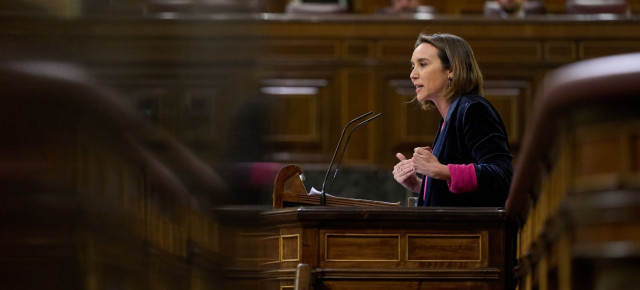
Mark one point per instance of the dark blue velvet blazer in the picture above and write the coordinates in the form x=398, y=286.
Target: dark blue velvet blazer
x=473, y=133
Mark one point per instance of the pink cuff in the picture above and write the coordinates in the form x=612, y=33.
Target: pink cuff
x=463, y=178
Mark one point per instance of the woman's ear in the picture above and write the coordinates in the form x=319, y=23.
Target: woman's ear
x=450, y=75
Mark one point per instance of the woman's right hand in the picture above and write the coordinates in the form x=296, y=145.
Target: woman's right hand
x=405, y=173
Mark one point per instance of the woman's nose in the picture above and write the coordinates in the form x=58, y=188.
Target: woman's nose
x=413, y=75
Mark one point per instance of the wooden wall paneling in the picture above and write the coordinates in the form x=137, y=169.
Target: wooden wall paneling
x=303, y=49
x=357, y=50
x=199, y=113
x=510, y=98
x=635, y=6
x=417, y=126
x=507, y=51
x=297, y=115
x=163, y=101
x=217, y=105
x=560, y=51
x=159, y=49
x=389, y=106
x=592, y=49
x=514, y=91
x=332, y=45
x=397, y=50
x=356, y=98
x=302, y=106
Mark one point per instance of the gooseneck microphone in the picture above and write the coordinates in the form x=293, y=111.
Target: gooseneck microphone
x=344, y=149
x=323, y=196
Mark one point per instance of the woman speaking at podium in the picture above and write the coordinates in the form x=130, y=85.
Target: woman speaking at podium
x=469, y=163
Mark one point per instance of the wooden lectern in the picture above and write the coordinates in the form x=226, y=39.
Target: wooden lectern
x=290, y=191
x=363, y=244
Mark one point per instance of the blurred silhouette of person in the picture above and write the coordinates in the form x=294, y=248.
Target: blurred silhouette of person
x=405, y=6
x=513, y=8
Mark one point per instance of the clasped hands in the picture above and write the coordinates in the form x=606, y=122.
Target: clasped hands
x=424, y=162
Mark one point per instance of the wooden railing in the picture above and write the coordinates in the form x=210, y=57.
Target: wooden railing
x=89, y=194
x=576, y=184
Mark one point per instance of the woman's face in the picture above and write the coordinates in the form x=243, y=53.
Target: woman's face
x=427, y=74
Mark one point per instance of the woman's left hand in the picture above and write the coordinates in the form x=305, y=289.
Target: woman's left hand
x=426, y=163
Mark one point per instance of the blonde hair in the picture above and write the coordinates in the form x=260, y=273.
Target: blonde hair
x=455, y=54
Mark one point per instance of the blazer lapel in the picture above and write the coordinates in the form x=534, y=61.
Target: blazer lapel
x=442, y=132
x=438, y=148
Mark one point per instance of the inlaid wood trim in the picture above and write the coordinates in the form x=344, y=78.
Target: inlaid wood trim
x=478, y=246
x=489, y=273
x=560, y=51
x=283, y=252
x=395, y=238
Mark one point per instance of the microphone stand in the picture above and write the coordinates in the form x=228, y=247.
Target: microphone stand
x=323, y=196
x=344, y=149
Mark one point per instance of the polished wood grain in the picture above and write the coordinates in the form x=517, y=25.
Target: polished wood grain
x=312, y=75
x=576, y=199
x=87, y=203
x=379, y=247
